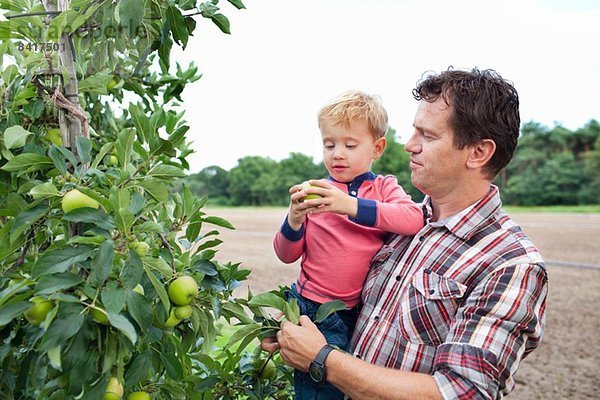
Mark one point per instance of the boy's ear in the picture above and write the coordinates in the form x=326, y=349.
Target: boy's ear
x=379, y=147
x=481, y=153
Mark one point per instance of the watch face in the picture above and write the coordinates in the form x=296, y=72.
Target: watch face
x=317, y=374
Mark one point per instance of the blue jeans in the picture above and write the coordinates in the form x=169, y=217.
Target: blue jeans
x=337, y=329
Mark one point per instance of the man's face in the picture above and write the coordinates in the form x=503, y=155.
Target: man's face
x=437, y=166
x=348, y=152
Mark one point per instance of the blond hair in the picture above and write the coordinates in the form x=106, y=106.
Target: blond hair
x=356, y=105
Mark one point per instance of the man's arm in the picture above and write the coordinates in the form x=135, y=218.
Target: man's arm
x=299, y=344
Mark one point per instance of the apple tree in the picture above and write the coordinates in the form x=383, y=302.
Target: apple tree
x=109, y=286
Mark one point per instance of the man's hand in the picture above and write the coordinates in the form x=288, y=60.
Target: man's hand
x=299, y=344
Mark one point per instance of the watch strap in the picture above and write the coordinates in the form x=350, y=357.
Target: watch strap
x=322, y=354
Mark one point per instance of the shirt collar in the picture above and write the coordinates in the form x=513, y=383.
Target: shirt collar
x=367, y=176
x=467, y=222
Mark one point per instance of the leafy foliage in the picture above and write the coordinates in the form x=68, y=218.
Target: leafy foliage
x=83, y=291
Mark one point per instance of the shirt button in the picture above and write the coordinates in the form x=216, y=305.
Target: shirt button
x=353, y=193
x=376, y=318
x=421, y=238
x=398, y=277
x=432, y=291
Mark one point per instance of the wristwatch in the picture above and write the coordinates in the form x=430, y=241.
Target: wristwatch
x=316, y=370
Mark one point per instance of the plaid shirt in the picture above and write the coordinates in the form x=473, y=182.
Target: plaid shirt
x=463, y=300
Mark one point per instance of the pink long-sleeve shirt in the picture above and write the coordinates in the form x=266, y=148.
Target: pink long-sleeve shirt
x=336, y=250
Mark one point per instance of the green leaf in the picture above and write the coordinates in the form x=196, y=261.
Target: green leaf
x=268, y=299
x=91, y=216
x=164, y=171
x=242, y=334
x=160, y=289
x=237, y=311
x=102, y=263
x=219, y=222
x=193, y=229
x=172, y=365
x=54, y=357
x=141, y=123
x=43, y=190
x=237, y=4
x=222, y=22
x=60, y=260
x=95, y=84
x=84, y=149
x=123, y=324
x=133, y=271
x=49, y=284
x=15, y=137
x=140, y=309
x=326, y=309
x=206, y=267
x=113, y=297
x=157, y=190
x=27, y=162
x=57, y=158
x=67, y=323
x=138, y=368
x=25, y=219
x=131, y=14
x=124, y=145
x=178, y=25
x=13, y=310
x=291, y=311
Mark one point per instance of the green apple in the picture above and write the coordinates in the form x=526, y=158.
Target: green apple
x=183, y=312
x=140, y=248
x=74, y=199
x=38, y=311
x=100, y=316
x=114, y=388
x=172, y=320
x=312, y=196
x=110, y=396
x=269, y=370
x=138, y=396
x=183, y=290
x=113, y=160
x=139, y=289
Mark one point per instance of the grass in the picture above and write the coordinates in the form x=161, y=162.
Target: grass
x=583, y=209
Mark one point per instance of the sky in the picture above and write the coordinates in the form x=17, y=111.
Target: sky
x=263, y=85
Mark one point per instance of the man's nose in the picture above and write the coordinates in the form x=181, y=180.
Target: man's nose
x=412, y=145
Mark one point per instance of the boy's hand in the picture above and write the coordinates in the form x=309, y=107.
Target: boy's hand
x=332, y=199
x=298, y=208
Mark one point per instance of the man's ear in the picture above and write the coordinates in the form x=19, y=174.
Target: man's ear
x=379, y=147
x=480, y=153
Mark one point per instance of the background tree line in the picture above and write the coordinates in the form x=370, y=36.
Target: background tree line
x=551, y=166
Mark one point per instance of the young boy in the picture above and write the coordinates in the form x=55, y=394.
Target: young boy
x=338, y=233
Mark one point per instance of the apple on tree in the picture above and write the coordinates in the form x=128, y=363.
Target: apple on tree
x=183, y=312
x=36, y=314
x=114, y=389
x=172, y=320
x=140, y=248
x=74, y=199
x=183, y=290
x=141, y=395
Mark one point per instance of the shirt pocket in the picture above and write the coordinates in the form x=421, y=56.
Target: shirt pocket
x=429, y=306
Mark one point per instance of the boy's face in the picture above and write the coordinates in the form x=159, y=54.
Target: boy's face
x=348, y=152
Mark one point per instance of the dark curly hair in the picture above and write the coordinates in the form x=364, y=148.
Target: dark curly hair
x=484, y=105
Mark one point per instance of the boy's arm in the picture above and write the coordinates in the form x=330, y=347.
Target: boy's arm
x=289, y=243
x=396, y=213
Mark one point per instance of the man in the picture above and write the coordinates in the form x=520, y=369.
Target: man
x=450, y=312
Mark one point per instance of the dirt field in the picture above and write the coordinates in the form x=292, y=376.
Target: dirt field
x=565, y=366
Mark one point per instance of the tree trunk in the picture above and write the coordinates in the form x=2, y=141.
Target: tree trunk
x=69, y=118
